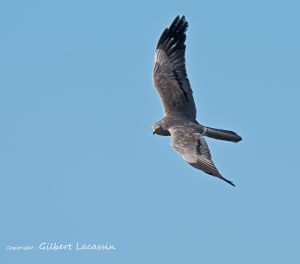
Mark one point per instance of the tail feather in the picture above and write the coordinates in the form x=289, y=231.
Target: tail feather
x=222, y=134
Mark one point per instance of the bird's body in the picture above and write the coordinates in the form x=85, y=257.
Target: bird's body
x=179, y=121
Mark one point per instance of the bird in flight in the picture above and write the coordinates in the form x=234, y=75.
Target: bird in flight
x=179, y=121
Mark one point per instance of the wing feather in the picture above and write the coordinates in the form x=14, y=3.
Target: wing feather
x=169, y=73
x=194, y=149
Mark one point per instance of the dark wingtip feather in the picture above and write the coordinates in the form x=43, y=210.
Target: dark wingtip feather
x=174, y=23
x=173, y=38
x=230, y=182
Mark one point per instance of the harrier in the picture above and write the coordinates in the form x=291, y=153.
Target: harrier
x=179, y=121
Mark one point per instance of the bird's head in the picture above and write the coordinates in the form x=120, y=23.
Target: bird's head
x=159, y=129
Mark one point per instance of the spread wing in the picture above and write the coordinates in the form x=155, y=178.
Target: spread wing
x=194, y=149
x=169, y=73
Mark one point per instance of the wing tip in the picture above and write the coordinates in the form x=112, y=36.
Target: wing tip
x=175, y=31
x=228, y=181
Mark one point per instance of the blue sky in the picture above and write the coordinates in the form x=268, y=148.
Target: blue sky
x=79, y=162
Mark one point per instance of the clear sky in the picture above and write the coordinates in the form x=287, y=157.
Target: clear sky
x=79, y=162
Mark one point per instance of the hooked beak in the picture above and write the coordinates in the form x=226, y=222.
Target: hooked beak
x=154, y=131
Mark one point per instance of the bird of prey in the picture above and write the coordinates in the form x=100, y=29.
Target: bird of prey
x=179, y=121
